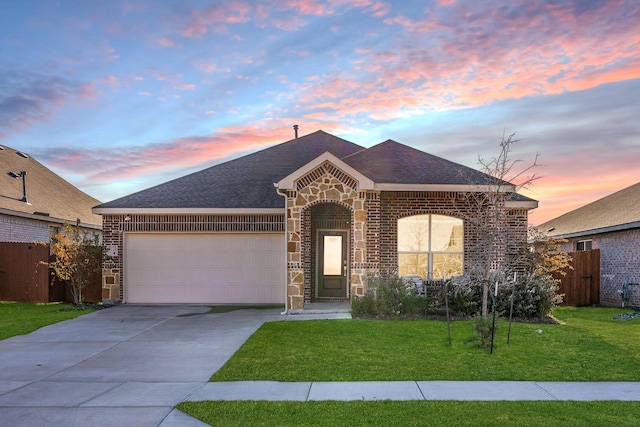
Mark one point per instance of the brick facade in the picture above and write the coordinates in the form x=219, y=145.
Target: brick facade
x=24, y=230
x=397, y=205
x=619, y=264
x=324, y=198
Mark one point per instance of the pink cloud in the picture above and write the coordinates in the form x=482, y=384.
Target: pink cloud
x=100, y=165
x=216, y=16
x=481, y=56
x=185, y=86
x=166, y=42
x=204, y=66
x=308, y=7
x=379, y=9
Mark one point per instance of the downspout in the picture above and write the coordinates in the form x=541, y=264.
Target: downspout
x=286, y=257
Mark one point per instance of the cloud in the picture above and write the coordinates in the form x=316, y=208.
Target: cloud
x=217, y=16
x=166, y=42
x=286, y=15
x=161, y=161
x=28, y=97
x=207, y=67
x=469, y=55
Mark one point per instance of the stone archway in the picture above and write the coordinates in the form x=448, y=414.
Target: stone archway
x=321, y=186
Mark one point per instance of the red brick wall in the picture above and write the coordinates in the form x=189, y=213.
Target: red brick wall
x=396, y=205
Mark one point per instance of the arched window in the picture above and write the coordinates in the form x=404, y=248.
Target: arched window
x=431, y=246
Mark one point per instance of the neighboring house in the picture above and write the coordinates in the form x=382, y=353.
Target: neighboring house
x=35, y=202
x=611, y=224
x=303, y=221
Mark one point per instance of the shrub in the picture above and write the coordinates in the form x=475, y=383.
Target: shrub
x=534, y=295
x=389, y=296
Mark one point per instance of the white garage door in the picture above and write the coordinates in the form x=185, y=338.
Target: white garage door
x=204, y=268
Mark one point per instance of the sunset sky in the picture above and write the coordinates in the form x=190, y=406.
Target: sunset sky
x=117, y=96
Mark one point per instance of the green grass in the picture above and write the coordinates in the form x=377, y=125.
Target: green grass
x=415, y=413
x=589, y=347
x=19, y=318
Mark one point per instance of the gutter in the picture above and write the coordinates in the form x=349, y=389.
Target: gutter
x=286, y=241
x=595, y=231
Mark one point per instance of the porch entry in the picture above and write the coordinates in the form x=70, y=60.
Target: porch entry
x=332, y=253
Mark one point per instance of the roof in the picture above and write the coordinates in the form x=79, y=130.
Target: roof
x=618, y=211
x=247, y=183
x=394, y=163
x=49, y=196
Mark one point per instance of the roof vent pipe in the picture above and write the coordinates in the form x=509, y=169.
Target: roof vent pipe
x=22, y=174
x=295, y=130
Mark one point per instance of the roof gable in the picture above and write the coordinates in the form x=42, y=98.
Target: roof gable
x=361, y=181
x=619, y=210
x=49, y=196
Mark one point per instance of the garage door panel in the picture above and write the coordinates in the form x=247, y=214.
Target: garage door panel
x=204, y=268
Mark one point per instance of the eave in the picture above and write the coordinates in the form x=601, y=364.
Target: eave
x=48, y=219
x=188, y=211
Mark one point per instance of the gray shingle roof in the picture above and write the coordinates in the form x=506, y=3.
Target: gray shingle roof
x=395, y=163
x=619, y=210
x=47, y=193
x=246, y=182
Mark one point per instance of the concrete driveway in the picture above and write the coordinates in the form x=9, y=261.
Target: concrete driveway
x=125, y=366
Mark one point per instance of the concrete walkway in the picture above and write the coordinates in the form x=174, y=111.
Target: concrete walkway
x=418, y=390
x=130, y=365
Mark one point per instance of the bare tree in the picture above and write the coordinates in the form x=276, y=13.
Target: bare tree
x=486, y=211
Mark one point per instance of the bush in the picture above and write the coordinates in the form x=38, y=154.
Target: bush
x=534, y=295
x=389, y=296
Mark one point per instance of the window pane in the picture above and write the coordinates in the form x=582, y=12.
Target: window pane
x=446, y=234
x=332, y=256
x=413, y=234
x=447, y=265
x=413, y=264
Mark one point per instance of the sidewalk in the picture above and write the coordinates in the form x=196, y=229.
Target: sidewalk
x=418, y=390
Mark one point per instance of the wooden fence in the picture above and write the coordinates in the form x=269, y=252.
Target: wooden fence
x=581, y=286
x=25, y=276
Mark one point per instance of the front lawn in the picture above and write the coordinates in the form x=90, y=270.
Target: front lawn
x=589, y=347
x=19, y=318
x=415, y=413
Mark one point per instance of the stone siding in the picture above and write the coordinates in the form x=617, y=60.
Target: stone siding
x=325, y=184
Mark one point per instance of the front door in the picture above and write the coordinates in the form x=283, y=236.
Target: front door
x=333, y=263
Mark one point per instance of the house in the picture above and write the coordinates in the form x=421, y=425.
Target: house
x=304, y=221
x=35, y=202
x=611, y=224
